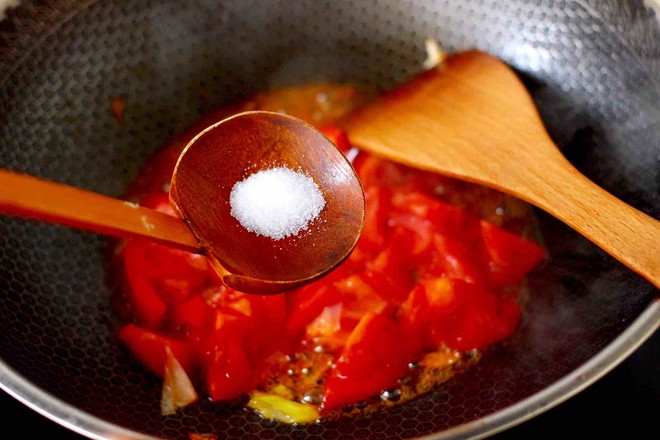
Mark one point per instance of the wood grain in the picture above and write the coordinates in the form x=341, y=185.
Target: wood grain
x=472, y=118
x=28, y=196
x=231, y=150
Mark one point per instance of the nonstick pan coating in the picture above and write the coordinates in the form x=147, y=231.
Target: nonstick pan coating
x=593, y=67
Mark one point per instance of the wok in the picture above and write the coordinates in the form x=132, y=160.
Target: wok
x=593, y=68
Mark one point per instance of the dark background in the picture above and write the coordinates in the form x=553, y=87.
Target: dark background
x=625, y=403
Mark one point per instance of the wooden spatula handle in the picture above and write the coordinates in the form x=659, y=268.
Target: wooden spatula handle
x=30, y=197
x=627, y=234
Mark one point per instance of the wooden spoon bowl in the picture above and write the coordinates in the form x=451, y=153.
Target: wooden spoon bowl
x=216, y=159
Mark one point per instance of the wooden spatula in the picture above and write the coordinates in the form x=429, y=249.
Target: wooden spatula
x=472, y=118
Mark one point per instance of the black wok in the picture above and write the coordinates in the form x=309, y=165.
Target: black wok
x=592, y=66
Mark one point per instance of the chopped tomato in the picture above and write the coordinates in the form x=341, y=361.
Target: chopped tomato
x=459, y=259
x=414, y=235
x=171, y=274
x=376, y=355
x=193, y=317
x=483, y=319
x=425, y=274
x=458, y=314
x=241, y=305
x=377, y=207
x=149, y=347
x=374, y=171
x=176, y=274
x=269, y=324
x=305, y=304
x=269, y=311
x=390, y=275
x=445, y=218
x=229, y=372
x=510, y=256
x=326, y=328
x=358, y=299
x=426, y=309
x=146, y=306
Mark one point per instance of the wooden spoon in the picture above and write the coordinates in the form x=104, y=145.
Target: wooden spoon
x=211, y=164
x=471, y=118
x=229, y=151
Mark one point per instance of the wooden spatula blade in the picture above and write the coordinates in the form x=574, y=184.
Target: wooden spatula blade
x=473, y=119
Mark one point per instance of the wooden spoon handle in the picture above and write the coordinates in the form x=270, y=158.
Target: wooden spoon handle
x=627, y=234
x=27, y=196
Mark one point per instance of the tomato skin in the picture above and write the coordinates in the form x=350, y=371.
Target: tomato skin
x=193, y=317
x=484, y=318
x=413, y=236
x=228, y=371
x=424, y=222
x=358, y=298
x=146, y=306
x=306, y=303
x=326, y=328
x=376, y=230
x=176, y=274
x=510, y=256
x=429, y=305
x=375, y=356
x=445, y=218
x=390, y=275
x=461, y=315
x=377, y=172
x=460, y=259
x=154, y=270
x=149, y=348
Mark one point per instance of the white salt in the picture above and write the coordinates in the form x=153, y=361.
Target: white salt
x=277, y=203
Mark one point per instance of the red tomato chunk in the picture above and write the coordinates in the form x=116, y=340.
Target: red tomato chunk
x=425, y=274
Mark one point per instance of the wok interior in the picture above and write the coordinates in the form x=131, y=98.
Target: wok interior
x=173, y=61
